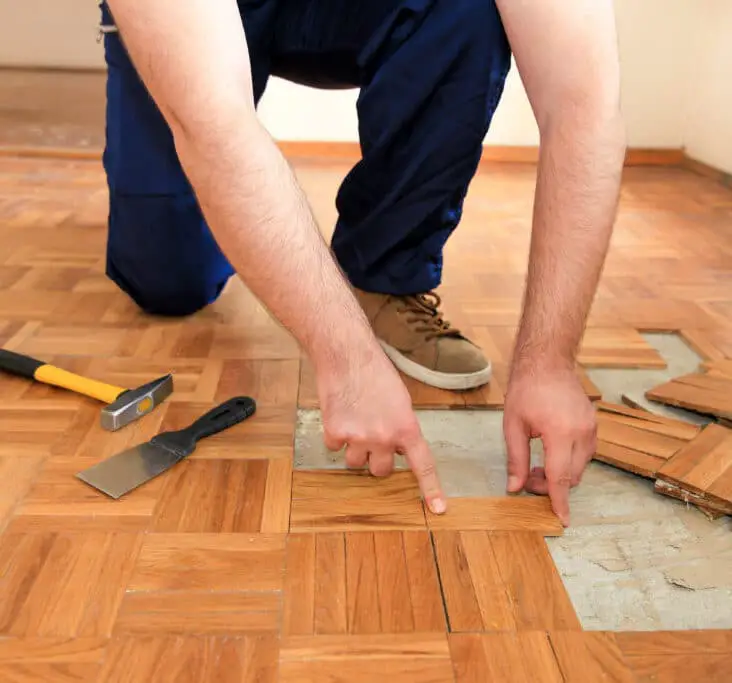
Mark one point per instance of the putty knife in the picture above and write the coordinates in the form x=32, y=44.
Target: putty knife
x=130, y=469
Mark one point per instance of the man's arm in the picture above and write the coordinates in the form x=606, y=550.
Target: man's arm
x=566, y=53
x=193, y=58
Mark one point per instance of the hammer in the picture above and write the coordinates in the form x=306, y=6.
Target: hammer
x=123, y=405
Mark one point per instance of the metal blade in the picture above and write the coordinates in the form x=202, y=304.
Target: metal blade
x=130, y=469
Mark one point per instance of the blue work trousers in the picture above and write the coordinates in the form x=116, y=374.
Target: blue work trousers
x=430, y=74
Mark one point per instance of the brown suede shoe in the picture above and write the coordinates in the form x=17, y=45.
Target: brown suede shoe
x=422, y=344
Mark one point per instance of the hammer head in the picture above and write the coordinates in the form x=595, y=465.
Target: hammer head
x=135, y=403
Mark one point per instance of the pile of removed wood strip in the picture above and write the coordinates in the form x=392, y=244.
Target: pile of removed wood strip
x=686, y=461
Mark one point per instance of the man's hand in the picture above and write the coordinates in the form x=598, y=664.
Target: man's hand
x=369, y=411
x=566, y=53
x=550, y=405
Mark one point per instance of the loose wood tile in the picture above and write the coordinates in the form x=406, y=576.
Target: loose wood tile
x=63, y=585
x=506, y=513
x=638, y=441
x=593, y=656
x=718, y=368
x=617, y=348
x=705, y=343
x=704, y=467
x=348, y=501
x=213, y=562
x=186, y=659
x=501, y=582
x=703, y=393
x=209, y=496
x=525, y=657
x=198, y=613
x=361, y=583
x=418, y=658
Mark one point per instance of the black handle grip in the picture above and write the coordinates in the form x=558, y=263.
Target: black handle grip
x=226, y=415
x=17, y=364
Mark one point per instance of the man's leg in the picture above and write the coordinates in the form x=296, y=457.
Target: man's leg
x=159, y=250
x=431, y=74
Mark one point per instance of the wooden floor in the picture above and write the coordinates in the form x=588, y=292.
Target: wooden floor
x=232, y=567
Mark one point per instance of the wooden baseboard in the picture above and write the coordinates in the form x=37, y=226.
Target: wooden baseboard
x=707, y=171
x=350, y=152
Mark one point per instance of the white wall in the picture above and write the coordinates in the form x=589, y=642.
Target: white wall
x=676, y=62
x=708, y=123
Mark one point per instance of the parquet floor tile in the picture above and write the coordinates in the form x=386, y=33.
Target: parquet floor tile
x=225, y=496
x=349, y=501
x=419, y=658
x=232, y=567
x=524, y=657
x=704, y=393
x=65, y=584
x=361, y=583
x=501, y=582
x=504, y=513
x=190, y=659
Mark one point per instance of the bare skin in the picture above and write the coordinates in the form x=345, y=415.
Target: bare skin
x=567, y=55
x=194, y=60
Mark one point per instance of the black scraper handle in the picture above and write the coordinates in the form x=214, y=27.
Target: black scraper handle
x=228, y=414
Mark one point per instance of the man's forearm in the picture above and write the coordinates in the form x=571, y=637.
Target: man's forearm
x=575, y=206
x=262, y=221
x=193, y=58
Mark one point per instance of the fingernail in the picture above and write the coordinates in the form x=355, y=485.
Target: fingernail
x=438, y=506
x=513, y=483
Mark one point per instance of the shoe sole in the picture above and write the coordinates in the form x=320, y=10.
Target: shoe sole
x=441, y=380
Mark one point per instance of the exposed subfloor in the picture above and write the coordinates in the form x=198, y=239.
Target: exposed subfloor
x=632, y=559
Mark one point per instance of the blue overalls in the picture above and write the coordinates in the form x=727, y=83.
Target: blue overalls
x=430, y=73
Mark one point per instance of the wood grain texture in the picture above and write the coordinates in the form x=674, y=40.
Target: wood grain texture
x=525, y=657
x=403, y=658
x=63, y=585
x=508, y=513
x=213, y=562
x=501, y=582
x=187, y=659
x=361, y=583
x=703, y=393
x=41, y=660
x=617, y=348
x=638, y=441
x=347, y=501
x=591, y=656
x=704, y=467
x=680, y=642
x=675, y=668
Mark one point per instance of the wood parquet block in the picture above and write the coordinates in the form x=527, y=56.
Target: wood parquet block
x=703, y=393
x=63, y=585
x=42, y=660
x=361, y=583
x=675, y=668
x=709, y=344
x=189, y=659
x=17, y=474
x=418, y=658
x=501, y=582
x=703, y=467
x=194, y=612
x=225, y=496
x=524, y=657
x=349, y=501
x=638, y=441
x=506, y=513
x=593, y=656
x=210, y=562
x=617, y=348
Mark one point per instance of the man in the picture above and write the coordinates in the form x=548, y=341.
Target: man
x=199, y=191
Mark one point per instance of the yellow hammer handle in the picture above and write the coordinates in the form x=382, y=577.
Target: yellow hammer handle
x=48, y=374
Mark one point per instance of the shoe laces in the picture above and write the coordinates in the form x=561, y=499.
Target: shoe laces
x=424, y=310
